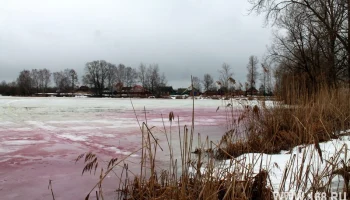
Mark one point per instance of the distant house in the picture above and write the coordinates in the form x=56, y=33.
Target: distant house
x=125, y=92
x=126, y=89
x=139, y=91
x=83, y=89
x=118, y=87
x=212, y=93
x=166, y=91
x=191, y=91
x=252, y=91
x=138, y=88
x=135, y=91
x=239, y=92
x=180, y=91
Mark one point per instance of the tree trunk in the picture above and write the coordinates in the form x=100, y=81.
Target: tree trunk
x=348, y=47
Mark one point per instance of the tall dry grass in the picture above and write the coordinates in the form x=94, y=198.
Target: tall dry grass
x=315, y=119
x=199, y=174
x=192, y=176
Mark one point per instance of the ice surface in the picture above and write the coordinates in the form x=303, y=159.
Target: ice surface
x=41, y=137
x=21, y=142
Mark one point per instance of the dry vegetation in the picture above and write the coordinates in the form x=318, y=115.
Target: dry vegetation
x=315, y=119
x=193, y=176
x=199, y=174
x=270, y=130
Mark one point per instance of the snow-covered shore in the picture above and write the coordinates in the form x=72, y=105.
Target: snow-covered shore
x=296, y=170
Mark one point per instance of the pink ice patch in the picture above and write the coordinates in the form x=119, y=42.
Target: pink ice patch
x=41, y=137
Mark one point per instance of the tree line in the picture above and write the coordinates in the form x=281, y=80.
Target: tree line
x=226, y=84
x=98, y=75
x=101, y=75
x=311, y=43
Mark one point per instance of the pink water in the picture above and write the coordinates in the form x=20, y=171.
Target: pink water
x=40, y=138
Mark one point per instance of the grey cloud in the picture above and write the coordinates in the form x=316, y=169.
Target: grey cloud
x=183, y=36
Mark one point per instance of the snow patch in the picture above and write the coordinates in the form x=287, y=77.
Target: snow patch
x=41, y=125
x=73, y=137
x=22, y=142
x=118, y=151
x=333, y=151
x=6, y=123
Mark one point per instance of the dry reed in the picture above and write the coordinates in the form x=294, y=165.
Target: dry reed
x=257, y=129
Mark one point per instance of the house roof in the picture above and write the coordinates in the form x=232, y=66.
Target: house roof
x=211, y=92
x=166, y=89
x=189, y=89
x=126, y=88
x=252, y=89
x=138, y=86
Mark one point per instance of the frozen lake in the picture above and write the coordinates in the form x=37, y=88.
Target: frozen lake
x=41, y=137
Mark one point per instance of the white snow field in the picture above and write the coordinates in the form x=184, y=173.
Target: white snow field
x=41, y=137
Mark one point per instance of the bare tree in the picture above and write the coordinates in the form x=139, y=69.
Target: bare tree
x=225, y=74
x=266, y=78
x=40, y=79
x=24, y=82
x=3, y=87
x=45, y=79
x=65, y=80
x=268, y=74
x=130, y=76
x=252, y=72
x=197, y=83
x=8, y=89
x=96, y=73
x=207, y=82
x=163, y=81
x=306, y=52
x=73, y=78
x=142, y=74
x=62, y=81
x=239, y=86
x=327, y=23
x=120, y=74
x=35, y=76
x=111, y=76
x=153, y=79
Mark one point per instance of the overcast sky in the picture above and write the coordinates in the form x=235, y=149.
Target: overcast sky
x=183, y=36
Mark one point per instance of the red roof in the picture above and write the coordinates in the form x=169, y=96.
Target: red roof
x=138, y=86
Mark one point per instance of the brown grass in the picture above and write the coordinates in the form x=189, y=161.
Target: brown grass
x=258, y=129
x=186, y=181
x=282, y=127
